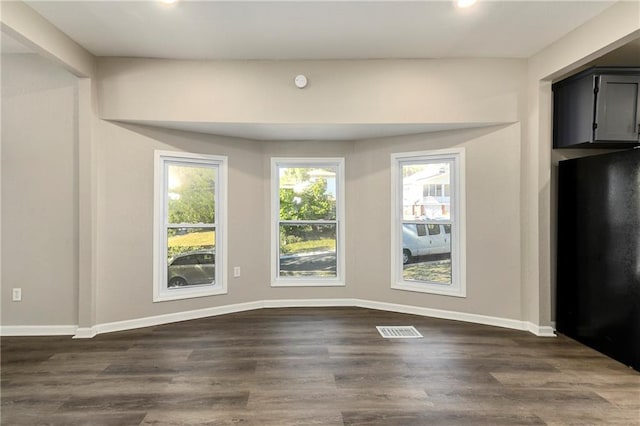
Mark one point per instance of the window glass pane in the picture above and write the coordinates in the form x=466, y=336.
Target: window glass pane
x=206, y=257
x=308, y=250
x=185, y=259
x=427, y=258
x=421, y=230
x=307, y=193
x=190, y=256
x=423, y=197
x=191, y=194
x=433, y=229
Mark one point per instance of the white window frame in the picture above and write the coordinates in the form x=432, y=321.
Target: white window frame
x=458, y=286
x=278, y=281
x=161, y=292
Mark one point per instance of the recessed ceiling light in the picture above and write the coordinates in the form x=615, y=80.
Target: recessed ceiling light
x=465, y=3
x=168, y=1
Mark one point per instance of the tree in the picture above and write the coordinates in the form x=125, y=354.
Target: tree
x=411, y=169
x=313, y=203
x=294, y=175
x=192, y=198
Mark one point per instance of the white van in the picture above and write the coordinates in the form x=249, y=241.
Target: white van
x=421, y=239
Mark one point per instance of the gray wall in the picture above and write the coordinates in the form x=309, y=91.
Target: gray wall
x=492, y=219
x=125, y=227
x=124, y=162
x=39, y=192
x=465, y=91
x=359, y=92
x=126, y=213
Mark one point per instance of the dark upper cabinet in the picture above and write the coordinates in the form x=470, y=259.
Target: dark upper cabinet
x=598, y=108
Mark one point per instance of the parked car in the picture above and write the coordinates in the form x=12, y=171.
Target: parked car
x=421, y=239
x=192, y=268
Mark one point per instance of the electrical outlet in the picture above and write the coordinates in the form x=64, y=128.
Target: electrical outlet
x=17, y=294
x=236, y=271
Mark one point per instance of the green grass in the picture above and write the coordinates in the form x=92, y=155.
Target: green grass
x=178, y=244
x=193, y=239
x=436, y=272
x=200, y=239
x=315, y=274
x=309, y=246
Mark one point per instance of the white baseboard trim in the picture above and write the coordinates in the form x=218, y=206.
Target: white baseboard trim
x=458, y=316
x=541, y=330
x=174, y=317
x=308, y=303
x=89, y=332
x=38, y=330
x=85, y=333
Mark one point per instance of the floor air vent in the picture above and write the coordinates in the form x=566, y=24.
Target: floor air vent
x=402, y=332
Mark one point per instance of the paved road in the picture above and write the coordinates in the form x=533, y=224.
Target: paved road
x=308, y=263
x=326, y=262
x=430, y=258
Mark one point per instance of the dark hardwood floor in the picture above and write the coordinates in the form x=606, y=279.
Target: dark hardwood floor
x=313, y=366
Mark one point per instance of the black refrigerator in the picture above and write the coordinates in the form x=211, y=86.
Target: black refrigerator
x=598, y=253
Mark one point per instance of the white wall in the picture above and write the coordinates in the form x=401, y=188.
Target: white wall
x=125, y=226
x=359, y=92
x=126, y=212
x=39, y=192
x=492, y=219
x=513, y=92
x=450, y=91
x=123, y=162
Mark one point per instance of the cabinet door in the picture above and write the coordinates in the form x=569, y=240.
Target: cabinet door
x=573, y=103
x=617, y=109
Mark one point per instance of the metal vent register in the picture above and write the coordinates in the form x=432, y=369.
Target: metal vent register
x=398, y=332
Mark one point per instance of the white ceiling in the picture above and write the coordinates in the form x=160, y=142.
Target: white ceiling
x=324, y=29
x=316, y=29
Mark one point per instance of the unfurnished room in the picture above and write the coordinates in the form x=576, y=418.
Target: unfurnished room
x=320, y=212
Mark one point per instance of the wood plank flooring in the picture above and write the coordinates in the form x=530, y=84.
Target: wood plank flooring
x=313, y=366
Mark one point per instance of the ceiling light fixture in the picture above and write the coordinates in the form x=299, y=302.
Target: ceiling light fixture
x=168, y=1
x=465, y=3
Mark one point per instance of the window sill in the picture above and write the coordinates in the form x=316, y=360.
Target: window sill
x=307, y=283
x=188, y=294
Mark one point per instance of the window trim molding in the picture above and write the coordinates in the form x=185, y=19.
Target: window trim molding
x=339, y=280
x=458, y=287
x=160, y=292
